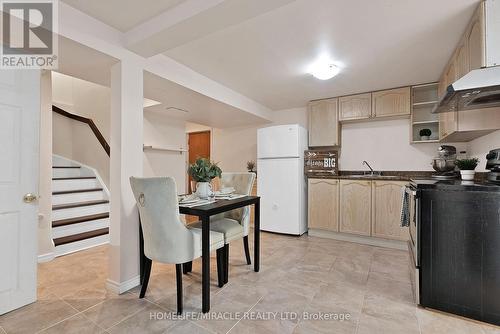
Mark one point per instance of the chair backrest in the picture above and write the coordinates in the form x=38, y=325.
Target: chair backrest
x=242, y=184
x=166, y=238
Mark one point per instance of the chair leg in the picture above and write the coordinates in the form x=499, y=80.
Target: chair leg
x=178, y=275
x=247, y=250
x=146, y=273
x=187, y=267
x=226, y=264
x=220, y=266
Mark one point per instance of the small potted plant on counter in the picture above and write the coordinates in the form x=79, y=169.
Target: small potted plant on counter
x=203, y=171
x=467, y=168
x=425, y=134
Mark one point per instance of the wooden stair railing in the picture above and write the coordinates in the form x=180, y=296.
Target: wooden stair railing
x=89, y=122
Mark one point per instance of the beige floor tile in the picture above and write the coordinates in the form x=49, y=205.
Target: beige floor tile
x=373, y=325
x=382, y=284
x=151, y=319
x=36, y=316
x=187, y=327
x=2, y=330
x=384, y=308
x=88, y=297
x=491, y=329
x=114, y=310
x=336, y=297
x=432, y=322
x=247, y=326
x=77, y=324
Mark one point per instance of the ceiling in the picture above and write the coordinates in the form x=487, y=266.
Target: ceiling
x=264, y=48
x=378, y=43
x=185, y=104
x=123, y=14
x=84, y=63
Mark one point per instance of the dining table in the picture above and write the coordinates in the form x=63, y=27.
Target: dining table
x=204, y=212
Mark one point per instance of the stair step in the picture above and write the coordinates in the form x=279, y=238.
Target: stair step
x=79, y=204
x=66, y=167
x=62, y=192
x=81, y=219
x=74, y=178
x=80, y=236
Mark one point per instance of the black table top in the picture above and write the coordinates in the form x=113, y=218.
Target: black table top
x=221, y=205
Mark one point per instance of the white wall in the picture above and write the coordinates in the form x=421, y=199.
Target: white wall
x=73, y=139
x=481, y=146
x=385, y=145
x=233, y=147
x=160, y=131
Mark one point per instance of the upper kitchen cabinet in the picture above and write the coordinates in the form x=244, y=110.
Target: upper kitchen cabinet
x=355, y=107
x=391, y=102
x=324, y=123
x=475, y=39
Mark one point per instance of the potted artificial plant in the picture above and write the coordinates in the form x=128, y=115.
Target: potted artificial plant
x=467, y=167
x=425, y=134
x=251, y=166
x=203, y=171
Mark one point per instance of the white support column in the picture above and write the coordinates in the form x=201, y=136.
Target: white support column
x=126, y=160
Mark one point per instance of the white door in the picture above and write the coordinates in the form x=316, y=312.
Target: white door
x=279, y=187
x=19, y=127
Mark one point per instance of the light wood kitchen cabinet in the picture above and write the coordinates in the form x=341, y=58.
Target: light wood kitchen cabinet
x=324, y=123
x=475, y=36
x=391, y=102
x=323, y=204
x=462, y=66
x=355, y=206
x=355, y=107
x=386, y=210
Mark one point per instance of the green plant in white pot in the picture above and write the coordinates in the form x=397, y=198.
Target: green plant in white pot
x=203, y=171
x=467, y=168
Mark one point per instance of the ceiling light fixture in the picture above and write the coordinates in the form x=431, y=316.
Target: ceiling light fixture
x=324, y=70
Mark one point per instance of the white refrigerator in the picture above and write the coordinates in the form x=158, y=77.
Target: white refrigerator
x=281, y=183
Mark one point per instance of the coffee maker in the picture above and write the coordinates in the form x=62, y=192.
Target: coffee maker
x=493, y=165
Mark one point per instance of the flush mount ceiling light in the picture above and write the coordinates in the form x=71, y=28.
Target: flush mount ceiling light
x=324, y=70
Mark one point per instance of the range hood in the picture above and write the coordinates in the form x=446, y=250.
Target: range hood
x=478, y=89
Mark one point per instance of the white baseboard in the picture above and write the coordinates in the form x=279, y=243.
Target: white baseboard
x=46, y=257
x=81, y=245
x=387, y=243
x=120, y=288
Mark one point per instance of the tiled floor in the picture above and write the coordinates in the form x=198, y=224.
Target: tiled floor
x=301, y=276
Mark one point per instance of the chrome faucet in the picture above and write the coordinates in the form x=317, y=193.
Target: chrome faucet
x=368, y=165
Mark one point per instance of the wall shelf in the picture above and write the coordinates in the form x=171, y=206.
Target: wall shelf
x=424, y=98
x=166, y=149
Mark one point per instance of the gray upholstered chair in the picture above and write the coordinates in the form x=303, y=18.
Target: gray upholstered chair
x=234, y=224
x=166, y=238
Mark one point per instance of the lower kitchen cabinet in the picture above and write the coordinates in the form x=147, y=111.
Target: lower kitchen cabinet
x=386, y=210
x=323, y=198
x=355, y=206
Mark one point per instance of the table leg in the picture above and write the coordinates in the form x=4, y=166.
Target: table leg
x=205, y=263
x=256, y=245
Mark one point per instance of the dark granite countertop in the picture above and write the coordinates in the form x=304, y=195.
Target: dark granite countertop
x=386, y=175
x=456, y=185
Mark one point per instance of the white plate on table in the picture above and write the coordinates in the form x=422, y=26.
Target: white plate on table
x=189, y=199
